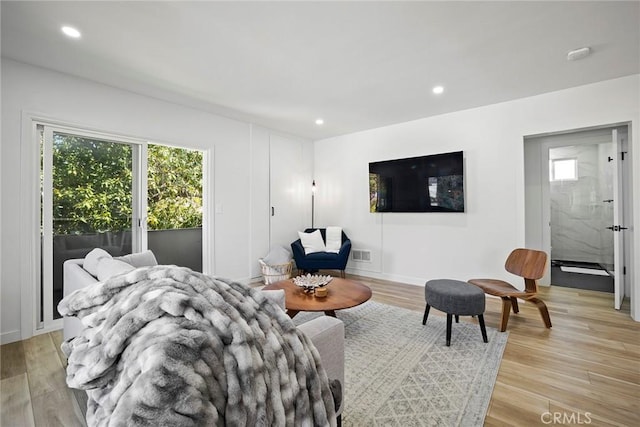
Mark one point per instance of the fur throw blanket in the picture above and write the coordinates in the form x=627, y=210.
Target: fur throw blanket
x=166, y=346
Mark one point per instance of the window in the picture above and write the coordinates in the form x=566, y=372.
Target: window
x=563, y=170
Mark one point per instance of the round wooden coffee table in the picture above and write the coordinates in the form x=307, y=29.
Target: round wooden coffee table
x=342, y=293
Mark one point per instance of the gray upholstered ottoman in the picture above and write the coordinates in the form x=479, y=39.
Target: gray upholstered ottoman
x=455, y=298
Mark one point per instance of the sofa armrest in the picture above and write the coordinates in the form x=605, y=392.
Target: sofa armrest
x=277, y=296
x=345, y=248
x=75, y=277
x=343, y=255
x=327, y=334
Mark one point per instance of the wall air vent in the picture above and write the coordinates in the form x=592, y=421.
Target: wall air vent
x=361, y=255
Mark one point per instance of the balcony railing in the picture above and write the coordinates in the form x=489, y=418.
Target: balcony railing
x=181, y=247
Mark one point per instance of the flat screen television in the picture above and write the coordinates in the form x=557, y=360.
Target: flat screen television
x=432, y=183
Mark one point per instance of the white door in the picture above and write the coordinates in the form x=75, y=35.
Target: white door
x=289, y=195
x=618, y=219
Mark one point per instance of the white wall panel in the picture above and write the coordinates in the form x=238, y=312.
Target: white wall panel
x=259, y=238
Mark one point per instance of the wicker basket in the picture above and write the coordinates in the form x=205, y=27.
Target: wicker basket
x=275, y=273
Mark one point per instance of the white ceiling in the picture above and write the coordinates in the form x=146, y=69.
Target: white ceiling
x=358, y=65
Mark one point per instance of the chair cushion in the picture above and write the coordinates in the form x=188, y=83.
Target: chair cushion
x=322, y=256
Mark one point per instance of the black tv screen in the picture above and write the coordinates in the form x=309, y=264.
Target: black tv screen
x=418, y=184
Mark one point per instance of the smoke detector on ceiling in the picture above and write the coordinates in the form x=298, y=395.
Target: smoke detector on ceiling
x=574, y=55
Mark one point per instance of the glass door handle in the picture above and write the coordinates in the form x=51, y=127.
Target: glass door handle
x=617, y=228
x=607, y=201
x=142, y=222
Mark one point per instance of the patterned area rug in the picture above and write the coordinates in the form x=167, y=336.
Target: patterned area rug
x=400, y=373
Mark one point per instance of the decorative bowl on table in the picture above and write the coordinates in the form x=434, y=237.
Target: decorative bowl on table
x=309, y=282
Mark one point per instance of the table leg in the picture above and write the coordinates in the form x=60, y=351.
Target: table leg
x=331, y=313
x=292, y=313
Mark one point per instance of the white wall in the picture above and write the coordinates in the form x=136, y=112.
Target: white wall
x=103, y=108
x=414, y=248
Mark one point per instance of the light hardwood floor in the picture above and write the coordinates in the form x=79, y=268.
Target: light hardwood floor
x=585, y=370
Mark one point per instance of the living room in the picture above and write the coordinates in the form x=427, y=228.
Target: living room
x=407, y=248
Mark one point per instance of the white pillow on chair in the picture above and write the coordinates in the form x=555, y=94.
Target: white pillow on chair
x=334, y=239
x=312, y=242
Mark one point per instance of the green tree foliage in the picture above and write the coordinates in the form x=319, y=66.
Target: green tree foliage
x=174, y=188
x=92, y=186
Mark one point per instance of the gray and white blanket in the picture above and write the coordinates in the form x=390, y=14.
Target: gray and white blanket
x=166, y=346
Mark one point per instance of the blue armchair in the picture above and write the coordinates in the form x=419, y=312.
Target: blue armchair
x=321, y=260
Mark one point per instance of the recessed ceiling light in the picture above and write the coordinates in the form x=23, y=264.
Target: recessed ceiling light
x=438, y=90
x=71, y=32
x=319, y=122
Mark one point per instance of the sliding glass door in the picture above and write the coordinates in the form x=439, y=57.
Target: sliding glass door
x=174, y=205
x=88, y=185
x=118, y=194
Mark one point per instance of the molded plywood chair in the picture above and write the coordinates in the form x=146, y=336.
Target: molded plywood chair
x=528, y=264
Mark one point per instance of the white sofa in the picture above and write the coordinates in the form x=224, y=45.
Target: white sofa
x=326, y=333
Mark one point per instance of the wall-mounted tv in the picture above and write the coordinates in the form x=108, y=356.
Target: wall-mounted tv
x=418, y=184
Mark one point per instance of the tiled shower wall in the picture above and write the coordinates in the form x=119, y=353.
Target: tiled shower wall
x=579, y=213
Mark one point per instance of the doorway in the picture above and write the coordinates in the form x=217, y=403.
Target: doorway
x=576, y=184
x=581, y=209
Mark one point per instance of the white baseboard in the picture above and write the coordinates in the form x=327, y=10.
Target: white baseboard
x=9, y=337
x=391, y=277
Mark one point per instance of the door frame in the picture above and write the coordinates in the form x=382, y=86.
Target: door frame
x=543, y=239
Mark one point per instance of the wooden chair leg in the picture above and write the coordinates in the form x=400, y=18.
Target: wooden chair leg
x=506, y=310
x=482, y=328
x=514, y=305
x=544, y=312
x=449, y=316
x=426, y=314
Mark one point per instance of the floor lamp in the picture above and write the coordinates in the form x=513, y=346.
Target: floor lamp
x=313, y=196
